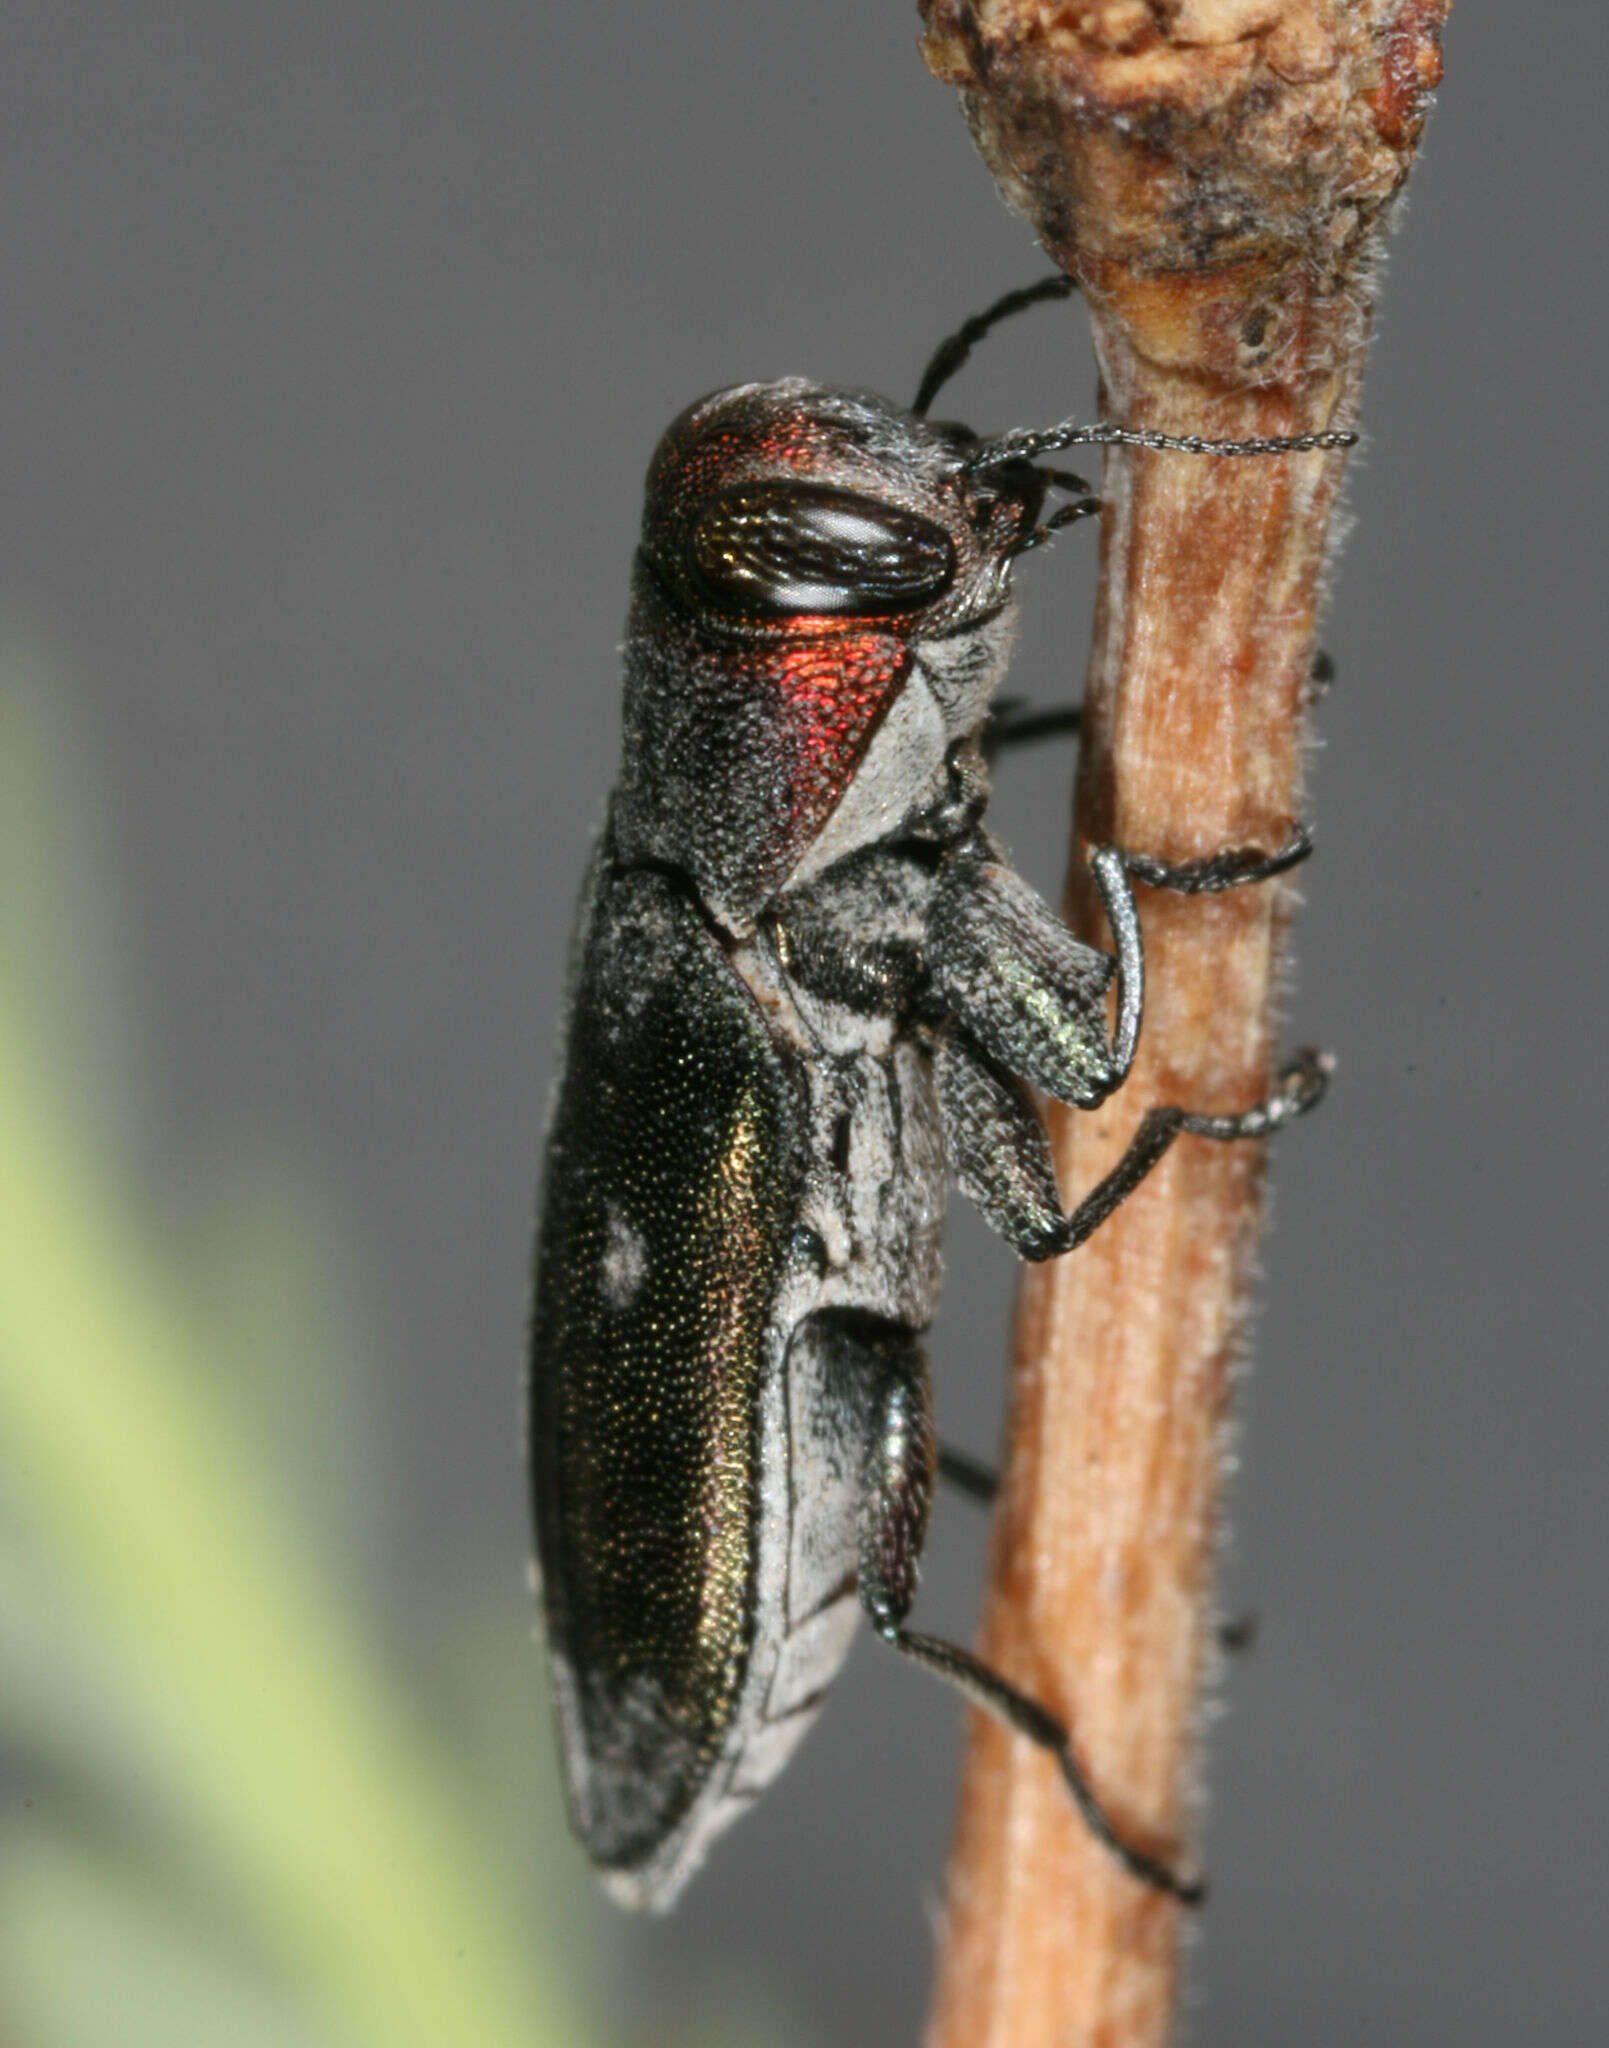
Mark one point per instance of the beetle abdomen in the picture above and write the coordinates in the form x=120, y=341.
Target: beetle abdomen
x=673, y=1174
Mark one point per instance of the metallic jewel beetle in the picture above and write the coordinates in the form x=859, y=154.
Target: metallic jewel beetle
x=805, y=986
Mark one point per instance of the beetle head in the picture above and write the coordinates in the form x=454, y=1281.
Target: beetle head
x=821, y=605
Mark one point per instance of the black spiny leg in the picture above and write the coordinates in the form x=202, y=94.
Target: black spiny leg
x=981, y=1485
x=1001, y=1155
x=1230, y=869
x=968, y=1475
x=896, y=1486
x=1012, y=723
x=1026, y=1003
x=988, y=1690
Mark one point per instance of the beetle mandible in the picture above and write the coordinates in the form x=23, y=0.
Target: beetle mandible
x=805, y=986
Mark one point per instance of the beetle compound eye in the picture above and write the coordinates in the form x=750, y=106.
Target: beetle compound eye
x=772, y=550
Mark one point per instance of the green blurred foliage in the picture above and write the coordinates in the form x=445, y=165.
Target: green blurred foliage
x=224, y=1817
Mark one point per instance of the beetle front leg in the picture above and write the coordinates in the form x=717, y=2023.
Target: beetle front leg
x=1033, y=996
x=1231, y=868
x=897, y=1484
x=1005, y=967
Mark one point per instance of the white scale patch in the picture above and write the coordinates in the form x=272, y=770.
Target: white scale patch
x=625, y=1261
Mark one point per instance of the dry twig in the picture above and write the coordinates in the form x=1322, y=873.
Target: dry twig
x=1216, y=174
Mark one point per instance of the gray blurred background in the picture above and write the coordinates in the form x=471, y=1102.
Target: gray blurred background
x=337, y=341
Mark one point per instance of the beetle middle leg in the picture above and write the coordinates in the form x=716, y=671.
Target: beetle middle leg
x=896, y=1488
x=1001, y=1154
x=1013, y=722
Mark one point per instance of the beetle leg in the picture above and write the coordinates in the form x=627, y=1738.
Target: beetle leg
x=1030, y=995
x=897, y=1469
x=897, y=1478
x=981, y=1485
x=873, y=977
x=968, y=1475
x=856, y=935
x=1231, y=868
x=1013, y=724
x=1001, y=1156
x=997, y=1147
x=987, y=1689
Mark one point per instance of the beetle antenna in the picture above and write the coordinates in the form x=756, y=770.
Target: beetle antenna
x=953, y=351
x=1024, y=444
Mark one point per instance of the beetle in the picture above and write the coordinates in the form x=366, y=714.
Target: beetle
x=805, y=987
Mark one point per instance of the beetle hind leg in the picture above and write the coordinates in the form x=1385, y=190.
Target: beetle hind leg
x=899, y=1462
x=987, y=1689
x=897, y=1485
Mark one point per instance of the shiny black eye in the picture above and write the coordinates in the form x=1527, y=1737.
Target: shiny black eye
x=774, y=549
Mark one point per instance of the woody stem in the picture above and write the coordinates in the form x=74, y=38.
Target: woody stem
x=1292, y=126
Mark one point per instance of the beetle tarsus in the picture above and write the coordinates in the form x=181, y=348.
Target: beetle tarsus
x=1232, y=868
x=1302, y=1082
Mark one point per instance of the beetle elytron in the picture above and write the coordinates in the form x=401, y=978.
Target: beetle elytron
x=805, y=985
